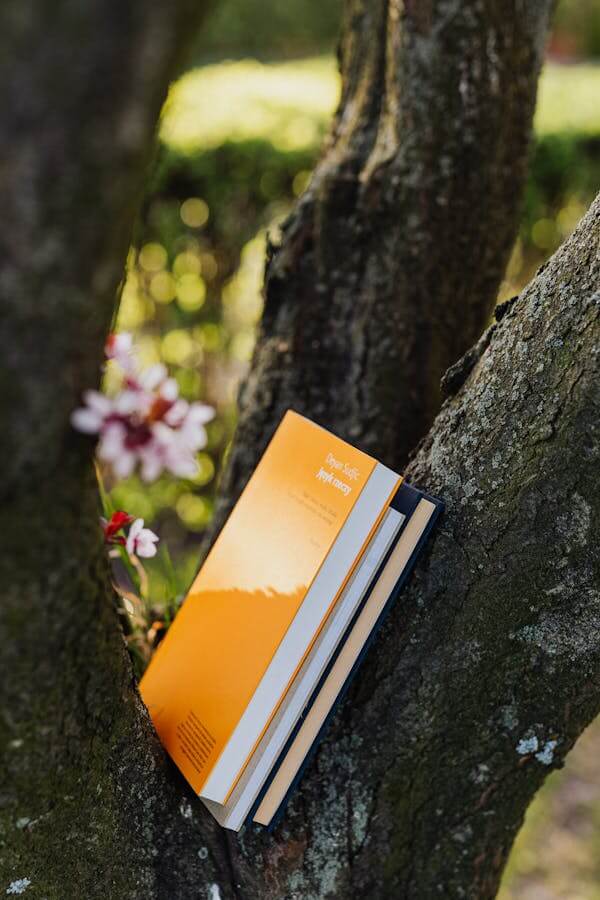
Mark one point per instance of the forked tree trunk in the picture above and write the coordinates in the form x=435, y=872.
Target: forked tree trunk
x=421, y=785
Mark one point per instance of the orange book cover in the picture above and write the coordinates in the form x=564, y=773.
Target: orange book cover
x=249, y=589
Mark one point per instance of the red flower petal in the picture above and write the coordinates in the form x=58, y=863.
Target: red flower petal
x=118, y=520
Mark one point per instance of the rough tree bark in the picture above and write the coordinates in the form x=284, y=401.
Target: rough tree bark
x=489, y=668
x=420, y=787
x=390, y=264
x=81, y=87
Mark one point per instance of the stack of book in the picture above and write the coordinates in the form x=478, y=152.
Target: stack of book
x=279, y=618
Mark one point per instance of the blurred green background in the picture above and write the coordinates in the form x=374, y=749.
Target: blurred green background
x=240, y=133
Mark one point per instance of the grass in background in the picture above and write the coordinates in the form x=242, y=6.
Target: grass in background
x=568, y=99
x=557, y=852
x=290, y=103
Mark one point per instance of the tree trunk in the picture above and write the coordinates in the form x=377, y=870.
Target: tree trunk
x=81, y=88
x=425, y=776
x=391, y=262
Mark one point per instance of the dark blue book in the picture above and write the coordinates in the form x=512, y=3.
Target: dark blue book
x=421, y=512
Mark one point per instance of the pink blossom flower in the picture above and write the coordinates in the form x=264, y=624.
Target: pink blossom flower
x=120, y=348
x=114, y=448
x=152, y=377
x=147, y=423
x=141, y=541
x=192, y=428
x=90, y=418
